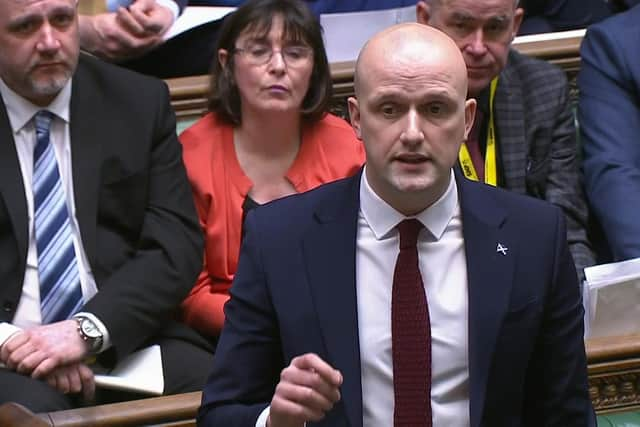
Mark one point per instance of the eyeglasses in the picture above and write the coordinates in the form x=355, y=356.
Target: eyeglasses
x=293, y=56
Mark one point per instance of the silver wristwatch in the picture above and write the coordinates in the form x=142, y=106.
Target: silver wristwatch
x=90, y=333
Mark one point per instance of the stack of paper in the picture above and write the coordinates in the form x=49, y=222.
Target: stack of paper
x=612, y=299
x=140, y=371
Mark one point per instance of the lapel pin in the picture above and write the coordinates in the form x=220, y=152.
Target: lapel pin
x=502, y=249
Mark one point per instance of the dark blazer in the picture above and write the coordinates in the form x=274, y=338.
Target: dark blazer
x=294, y=292
x=538, y=147
x=609, y=109
x=134, y=206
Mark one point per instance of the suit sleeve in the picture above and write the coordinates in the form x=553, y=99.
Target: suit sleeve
x=248, y=357
x=609, y=112
x=557, y=389
x=140, y=296
x=564, y=181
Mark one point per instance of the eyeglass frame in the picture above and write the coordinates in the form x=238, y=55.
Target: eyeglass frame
x=308, y=52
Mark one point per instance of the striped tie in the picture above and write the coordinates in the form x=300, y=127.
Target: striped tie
x=60, y=292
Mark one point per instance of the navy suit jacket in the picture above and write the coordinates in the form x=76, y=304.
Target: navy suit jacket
x=294, y=292
x=609, y=111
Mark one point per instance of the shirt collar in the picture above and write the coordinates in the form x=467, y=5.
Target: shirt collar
x=382, y=218
x=21, y=111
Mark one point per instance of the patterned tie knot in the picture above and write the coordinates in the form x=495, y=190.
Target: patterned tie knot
x=43, y=120
x=409, y=229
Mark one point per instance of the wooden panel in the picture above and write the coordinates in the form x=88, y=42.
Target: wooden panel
x=92, y=7
x=180, y=409
x=14, y=415
x=614, y=373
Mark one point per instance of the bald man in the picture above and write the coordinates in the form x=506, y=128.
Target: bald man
x=406, y=295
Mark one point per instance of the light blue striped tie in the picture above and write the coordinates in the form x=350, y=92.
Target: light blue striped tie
x=60, y=292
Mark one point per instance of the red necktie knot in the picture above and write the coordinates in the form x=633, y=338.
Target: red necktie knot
x=409, y=230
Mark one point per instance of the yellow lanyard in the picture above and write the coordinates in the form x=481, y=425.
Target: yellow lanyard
x=490, y=167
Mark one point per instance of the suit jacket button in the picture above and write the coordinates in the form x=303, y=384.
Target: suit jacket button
x=7, y=306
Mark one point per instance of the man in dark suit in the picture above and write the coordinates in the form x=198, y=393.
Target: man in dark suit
x=99, y=240
x=480, y=324
x=527, y=142
x=609, y=111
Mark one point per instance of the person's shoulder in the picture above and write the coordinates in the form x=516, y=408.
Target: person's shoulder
x=114, y=77
x=288, y=214
x=338, y=141
x=615, y=37
x=534, y=72
x=333, y=127
x=207, y=130
x=519, y=207
x=625, y=22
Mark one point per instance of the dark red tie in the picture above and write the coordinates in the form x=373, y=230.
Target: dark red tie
x=411, y=334
x=473, y=145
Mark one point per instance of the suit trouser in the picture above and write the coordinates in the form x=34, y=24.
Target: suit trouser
x=186, y=368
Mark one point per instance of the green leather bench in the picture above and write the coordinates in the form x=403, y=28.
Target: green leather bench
x=622, y=419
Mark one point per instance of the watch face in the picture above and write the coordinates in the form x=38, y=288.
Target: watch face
x=89, y=329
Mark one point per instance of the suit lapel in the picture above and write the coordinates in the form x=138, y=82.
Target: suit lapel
x=329, y=252
x=12, y=185
x=86, y=135
x=511, y=130
x=490, y=278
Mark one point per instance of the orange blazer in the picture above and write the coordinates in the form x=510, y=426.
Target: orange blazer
x=329, y=151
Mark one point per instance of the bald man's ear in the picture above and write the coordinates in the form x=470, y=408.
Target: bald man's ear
x=469, y=116
x=423, y=12
x=354, y=116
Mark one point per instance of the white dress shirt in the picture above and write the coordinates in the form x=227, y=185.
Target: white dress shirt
x=21, y=117
x=443, y=267
x=444, y=273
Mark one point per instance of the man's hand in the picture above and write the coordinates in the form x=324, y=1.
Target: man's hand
x=145, y=18
x=38, y=351
x=74, y=378
x=308, y=388
x=126, y=33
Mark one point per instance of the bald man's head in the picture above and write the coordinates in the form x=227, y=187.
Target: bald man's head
x=411, y=112
x=407, y=44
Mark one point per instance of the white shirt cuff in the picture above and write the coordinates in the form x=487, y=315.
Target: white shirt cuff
x=262, y=419
x=172, y=6
x=6, y=331
x=106, y=340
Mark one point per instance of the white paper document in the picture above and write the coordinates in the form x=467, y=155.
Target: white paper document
x=612, y=299
x=140, y=372
x=346, y=33
x=194, y=16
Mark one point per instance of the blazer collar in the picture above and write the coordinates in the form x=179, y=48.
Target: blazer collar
x=11, y=184
x=490, y=273
x=87, y=133
x=329, y=250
